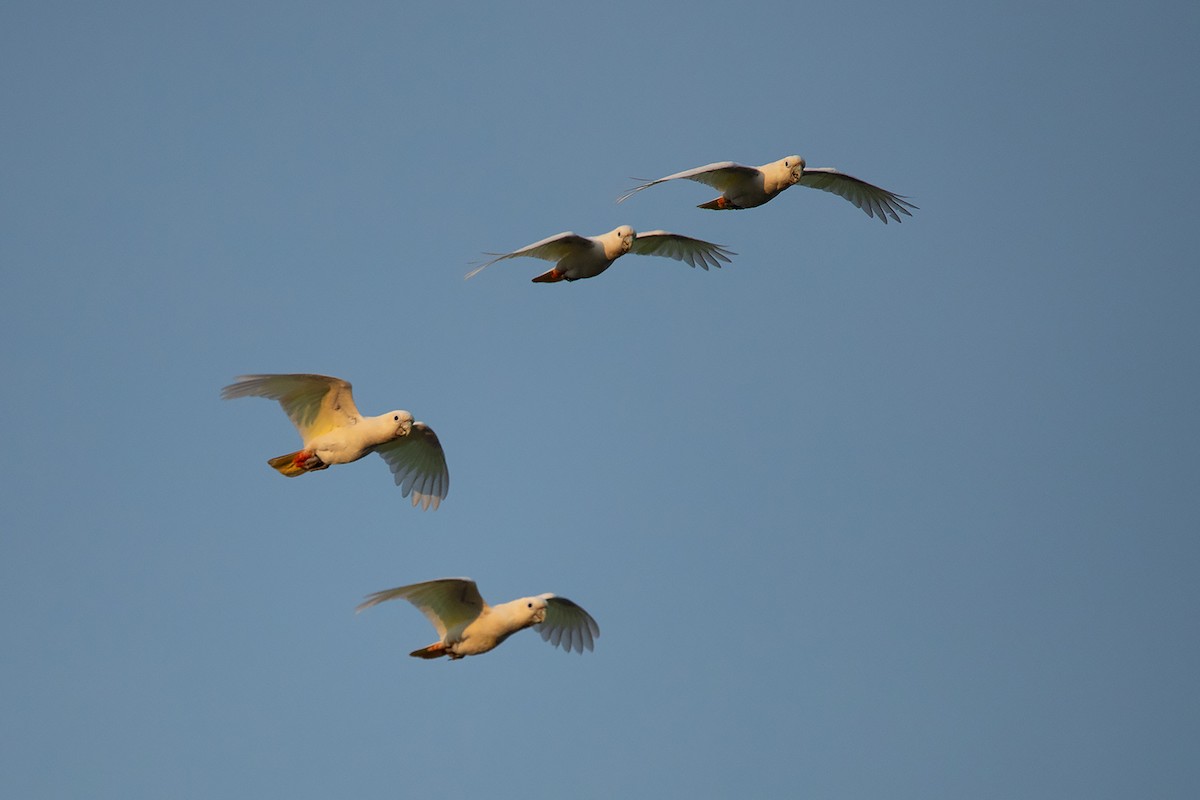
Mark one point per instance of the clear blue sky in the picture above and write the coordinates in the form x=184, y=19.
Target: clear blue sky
x=905, y=511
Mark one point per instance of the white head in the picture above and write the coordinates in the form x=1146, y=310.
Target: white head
x=532, y=610
x=402, y=420
x=625, y=235
x=795, y=165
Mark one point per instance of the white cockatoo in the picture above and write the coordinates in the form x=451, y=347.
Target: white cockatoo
x=323, y=411
x=746, y=187
x=587, y=256
x=467, y=626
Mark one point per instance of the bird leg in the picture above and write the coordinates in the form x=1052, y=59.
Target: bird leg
x=309, y=462
x=297, y=463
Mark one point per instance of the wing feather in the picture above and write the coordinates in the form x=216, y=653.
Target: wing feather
x=720, y=175
x=418, y=466
x=446, y=602
x=694, y=252
x=552, y=248
x=567, y=625
x=315, y=404
x=876, y=202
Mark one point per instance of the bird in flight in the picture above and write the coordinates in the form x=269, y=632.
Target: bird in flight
x=333, y=432
x=467, y=626
x=746, y=187
x=578, y=256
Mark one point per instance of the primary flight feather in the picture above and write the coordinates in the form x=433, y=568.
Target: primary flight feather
x=333, y=432
x=587, y=256
x=467, y=626
x=746, y=187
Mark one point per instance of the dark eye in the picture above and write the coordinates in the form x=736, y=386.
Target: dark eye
x=396, y=418
x=529, y=604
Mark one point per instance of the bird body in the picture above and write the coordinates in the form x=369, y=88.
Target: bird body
x=579, y=257
x=743, y=187
x=334, y=432
x=467, y=626
x=584, y=256
x=360, y=438
x=487, y=631
x=749, y=187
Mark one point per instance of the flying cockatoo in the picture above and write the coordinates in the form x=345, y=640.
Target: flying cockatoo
x=747, y=187
x=468, y=626
x=587, y=256
x=323, y=411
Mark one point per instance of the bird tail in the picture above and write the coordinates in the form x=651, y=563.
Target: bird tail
x=553, y=276
x=435, y=650
x=288, y=465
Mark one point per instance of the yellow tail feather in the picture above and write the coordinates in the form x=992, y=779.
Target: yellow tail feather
x=287, y=464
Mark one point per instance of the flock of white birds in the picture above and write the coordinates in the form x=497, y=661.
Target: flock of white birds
x=334, y=432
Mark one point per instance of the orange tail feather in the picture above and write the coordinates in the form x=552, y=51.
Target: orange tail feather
x=435, y=650
x=553, y=276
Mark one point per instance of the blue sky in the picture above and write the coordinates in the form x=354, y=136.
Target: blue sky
x=900, y=511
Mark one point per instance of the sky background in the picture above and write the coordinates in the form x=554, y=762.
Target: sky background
x=903, y=511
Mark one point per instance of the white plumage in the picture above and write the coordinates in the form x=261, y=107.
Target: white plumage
x=467, y=626
x=334, y=432
x=746, y=187
x=587, y=256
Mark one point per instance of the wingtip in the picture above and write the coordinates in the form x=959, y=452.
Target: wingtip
x=427, y=502
x=643, y=184
x=371, y=600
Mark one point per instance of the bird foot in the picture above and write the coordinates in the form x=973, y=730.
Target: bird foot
x=308, y=461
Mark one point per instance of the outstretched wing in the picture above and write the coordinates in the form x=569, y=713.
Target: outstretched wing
x=567, y=625
x=418, y=464
x=868, y=197
x=446, y=602
x=316, y=404
x=721, y=176
x=552, y=248
x=695, y=252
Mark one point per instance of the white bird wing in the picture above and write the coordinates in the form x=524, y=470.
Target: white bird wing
x=567, y=625
x=418, y=465
x=721, y=176
x=316, y=404
x=552, y=248
x=695, y=252
x=870, y=198
x=446, y=602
